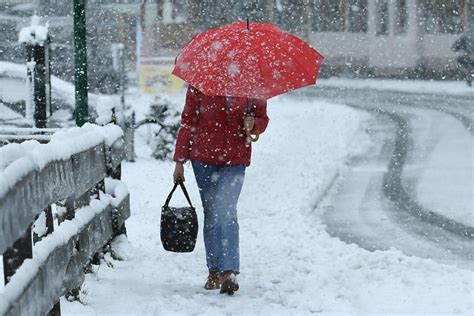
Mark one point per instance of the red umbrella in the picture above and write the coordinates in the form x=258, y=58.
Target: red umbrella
x=254, y=60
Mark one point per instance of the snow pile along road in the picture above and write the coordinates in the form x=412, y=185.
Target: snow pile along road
x=289, y=264
x=446, y=185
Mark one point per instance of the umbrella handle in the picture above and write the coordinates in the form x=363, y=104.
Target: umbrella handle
x=252, y=138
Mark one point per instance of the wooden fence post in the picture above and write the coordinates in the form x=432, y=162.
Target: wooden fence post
x=129, y=134
x=56, y=310
x=14, y=256
x=117, y=174
x=48, y=212
x=72, y=204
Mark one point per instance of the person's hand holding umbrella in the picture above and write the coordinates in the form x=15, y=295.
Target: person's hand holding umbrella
x=249, y=123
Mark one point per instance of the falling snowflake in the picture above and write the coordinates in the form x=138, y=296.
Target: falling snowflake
x=217, y=45
x=233, y=69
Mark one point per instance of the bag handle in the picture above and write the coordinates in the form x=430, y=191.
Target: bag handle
x=181, y=184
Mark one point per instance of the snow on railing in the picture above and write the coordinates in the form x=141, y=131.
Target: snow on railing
x=73, y=171
x=21, y=134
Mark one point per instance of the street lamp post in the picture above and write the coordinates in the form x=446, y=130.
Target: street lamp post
x=80, y=62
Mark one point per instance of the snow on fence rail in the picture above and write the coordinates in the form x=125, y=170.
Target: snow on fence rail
x=21, y=134
x=76, y=168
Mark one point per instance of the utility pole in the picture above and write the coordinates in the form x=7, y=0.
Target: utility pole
x=80, y=62
x=139, y=35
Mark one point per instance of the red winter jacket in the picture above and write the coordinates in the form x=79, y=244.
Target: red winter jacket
x=213, y=132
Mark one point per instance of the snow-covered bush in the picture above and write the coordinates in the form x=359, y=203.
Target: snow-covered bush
x=160, y=128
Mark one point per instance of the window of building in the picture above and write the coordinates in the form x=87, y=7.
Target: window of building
x=401, y=17
x=382, y=17
x=339, y=16
x=159, y=10
x=177, y=9
x=174, y=11
x=442, y=16
x=291, y=15
x=329, y=16
x=357, y=16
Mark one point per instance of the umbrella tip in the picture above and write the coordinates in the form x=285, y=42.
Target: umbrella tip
x=248, y=24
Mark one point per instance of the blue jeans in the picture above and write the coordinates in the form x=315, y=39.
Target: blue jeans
x=219, y=187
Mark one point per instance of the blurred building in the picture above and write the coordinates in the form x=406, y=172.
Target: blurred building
x=389, y=37
x=357, y=37
x=403, y=38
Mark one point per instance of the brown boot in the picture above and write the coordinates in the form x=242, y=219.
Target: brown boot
x=229, y=283
x=213, y=281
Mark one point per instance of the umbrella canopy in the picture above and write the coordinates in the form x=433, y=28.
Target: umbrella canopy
x=253, y=60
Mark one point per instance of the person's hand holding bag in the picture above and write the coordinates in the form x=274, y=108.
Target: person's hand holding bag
x=178, y=172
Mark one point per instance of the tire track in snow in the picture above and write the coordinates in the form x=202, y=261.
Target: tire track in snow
x=392, y=180
x=394, y=190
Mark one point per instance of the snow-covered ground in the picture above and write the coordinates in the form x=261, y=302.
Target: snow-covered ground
x=60, y=89
x=13, y=89
x=289, y=264
x=446, y=184
x=8, y=114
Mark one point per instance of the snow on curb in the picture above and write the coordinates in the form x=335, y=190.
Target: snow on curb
x=413, y=86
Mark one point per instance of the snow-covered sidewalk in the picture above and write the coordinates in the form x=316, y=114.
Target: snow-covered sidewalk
x=289, y=264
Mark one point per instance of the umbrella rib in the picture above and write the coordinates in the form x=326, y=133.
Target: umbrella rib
x=298, y=62
x=304, y=69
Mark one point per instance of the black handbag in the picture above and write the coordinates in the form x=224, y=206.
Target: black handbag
x=179, y=225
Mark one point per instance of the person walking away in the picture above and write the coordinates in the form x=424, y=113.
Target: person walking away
x=212, y=136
